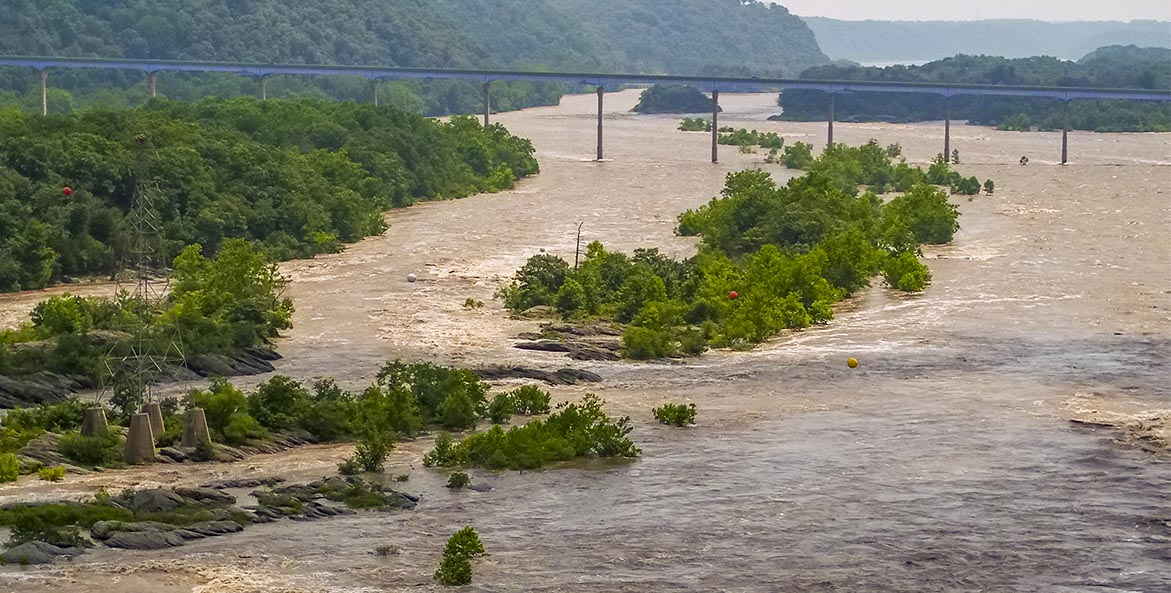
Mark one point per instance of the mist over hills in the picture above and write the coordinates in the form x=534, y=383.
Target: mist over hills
x=884, y=42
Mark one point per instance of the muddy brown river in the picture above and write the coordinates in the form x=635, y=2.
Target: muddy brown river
x=945, y=462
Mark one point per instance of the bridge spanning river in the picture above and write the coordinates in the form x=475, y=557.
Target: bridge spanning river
x=602, y=82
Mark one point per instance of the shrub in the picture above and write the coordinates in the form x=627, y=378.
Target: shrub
x=241, y=428
x=530, y=400
x=574, y=430
x=454, y=570
x=454, y=398
x=9, y=468
x=52, y=474
x=371, y=452
x=279, y=403
x=799, y=155
x=58, y=523
x=466, y=541
x=458, y=480
x=331, y=412
x=675, y=414
x=95, y=451
x=906, y=272
x=443, y=453
x=502, y=408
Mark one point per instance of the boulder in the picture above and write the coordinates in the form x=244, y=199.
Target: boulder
x=37, y=553
x=544, y=346
x=206, y=496
x=159, y=500
x=560, y=377
x=215, y=528
x=104, y=530
x=244, y=483
x=145, y=540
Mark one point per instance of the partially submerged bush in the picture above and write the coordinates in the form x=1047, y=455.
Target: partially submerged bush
x=9, y=467
x=52, y=474
x=675, y=414
x=502, y=408
x=458, y=480
x=456, y=566
x=530, y=400
x=95, y=451
x=573, y=430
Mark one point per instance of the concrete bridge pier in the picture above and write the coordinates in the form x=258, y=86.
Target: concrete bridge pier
x=44, y=92
x=601, y=95
x=153, y=81
x=830, y=140
x=374, y=83
x=1065, y=136
x=946, y=127
x=715, y=126
x=263, y=88
x=487, y=102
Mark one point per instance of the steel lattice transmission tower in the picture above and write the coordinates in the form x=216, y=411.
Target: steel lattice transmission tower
x=152, y=350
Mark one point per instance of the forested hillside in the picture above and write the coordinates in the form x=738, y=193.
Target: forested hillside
x=881, y=42
x=297, y=177
x=652, y=36
x=1108, y=67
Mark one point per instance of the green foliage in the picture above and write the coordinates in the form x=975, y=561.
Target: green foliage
x=471, y=304
x=675, y=414
x=466, y=541
x=95, y=451
x=331, y=413
x=536, y=283
x=454, y=570
x=1109, y=67
x=502, y=408
x=743, y=137
x=573, y=430
x=58, y=523
x=695, y=124
x=926, y=212
x=454, y=398
x=673, y=98
x=798, y=155
x=458, y=480
x=226, y=408
x=905, y=272
x=989, y=187
x=443, y=453
x=530, y=400
x=9, y=468
x=49, y=474
x=297, y=177
x=371, y=451
x=279, y=403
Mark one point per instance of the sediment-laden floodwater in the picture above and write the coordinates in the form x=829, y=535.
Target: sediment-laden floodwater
x=945, y=462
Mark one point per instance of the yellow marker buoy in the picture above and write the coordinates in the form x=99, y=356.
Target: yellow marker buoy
x=852, y=363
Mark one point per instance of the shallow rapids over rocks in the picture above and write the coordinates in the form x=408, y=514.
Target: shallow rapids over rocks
x=946, y=461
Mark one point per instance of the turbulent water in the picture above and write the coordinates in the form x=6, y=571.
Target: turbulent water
x=945, y=462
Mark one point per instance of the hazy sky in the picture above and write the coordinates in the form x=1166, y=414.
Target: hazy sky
x=966, y=10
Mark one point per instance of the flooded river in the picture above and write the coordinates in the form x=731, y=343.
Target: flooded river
x=945, y=462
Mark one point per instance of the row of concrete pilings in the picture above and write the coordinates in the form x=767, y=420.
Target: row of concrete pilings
x=146, y=427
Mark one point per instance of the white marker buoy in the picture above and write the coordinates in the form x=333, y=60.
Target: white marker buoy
x=411, y=278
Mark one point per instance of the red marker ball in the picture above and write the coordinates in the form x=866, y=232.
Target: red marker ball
x=733, y=295
x=67, y=191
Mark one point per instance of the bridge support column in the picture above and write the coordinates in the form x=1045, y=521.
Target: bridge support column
x=715, y=126
x=153, y=80
x=830, y=139
x=487, y=102
x=1065, y=136
x=946, y=128
x=375, y=84
x=44, y=92
x=601, y=96
x=263, y=88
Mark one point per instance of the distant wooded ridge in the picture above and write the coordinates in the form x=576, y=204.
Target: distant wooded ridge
x=884, y=42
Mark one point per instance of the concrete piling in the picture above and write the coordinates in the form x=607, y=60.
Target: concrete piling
x=487, y=102
x=830, y=142
x=44, y=92
x=94, y=423
x=140, y=441
x=601, y=93
x=715, y=126
x=195, y=428
x=155, y=412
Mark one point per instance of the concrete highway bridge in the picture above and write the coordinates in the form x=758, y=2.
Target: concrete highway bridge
x=710, y=84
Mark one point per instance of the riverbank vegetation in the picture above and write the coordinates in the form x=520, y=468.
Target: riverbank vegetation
x=771, y=257
x=573, y=430
x=297, y=177
x=675, y=414
x=571, y=36
x=1107, y=67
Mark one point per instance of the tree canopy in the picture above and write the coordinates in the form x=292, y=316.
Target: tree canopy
x=652, y=36
x=300, y=177
x=1108, y=67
